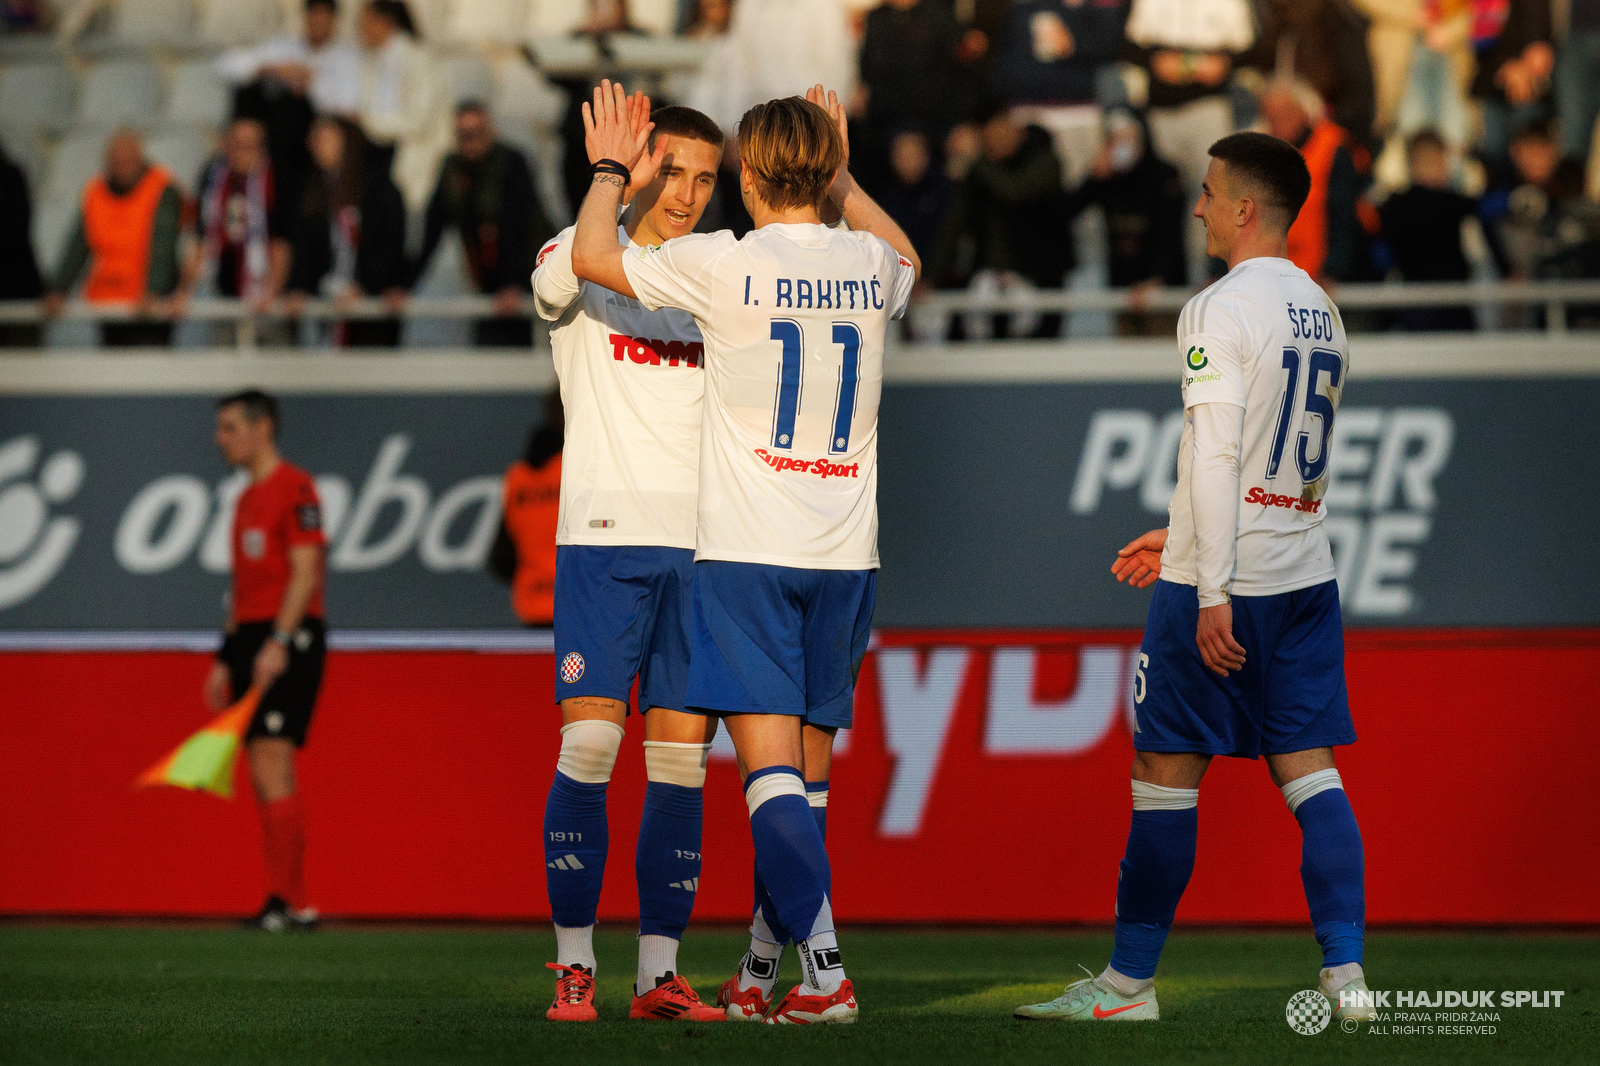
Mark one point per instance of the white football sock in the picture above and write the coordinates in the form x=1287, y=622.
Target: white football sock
x=575, y=946
x=1123, y=985
x=1336, y=977
x=759, y=968
x=819, y=964
x=658, y=956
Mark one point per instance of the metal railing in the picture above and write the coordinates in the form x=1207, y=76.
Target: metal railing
x=1555, y=297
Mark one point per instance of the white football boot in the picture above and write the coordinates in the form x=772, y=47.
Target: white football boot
x=1089, y=1000
x=1363, y=1012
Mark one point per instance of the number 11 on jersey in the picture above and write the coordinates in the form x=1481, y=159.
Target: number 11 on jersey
x=791, y=381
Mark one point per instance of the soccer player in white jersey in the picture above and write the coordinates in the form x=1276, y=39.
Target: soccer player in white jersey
x=631, y=385
x=1243, y=651
x=794, y=318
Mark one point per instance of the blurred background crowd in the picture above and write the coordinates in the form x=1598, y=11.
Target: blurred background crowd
x=275, y=151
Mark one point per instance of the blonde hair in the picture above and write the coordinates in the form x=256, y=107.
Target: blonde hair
x=792, y=149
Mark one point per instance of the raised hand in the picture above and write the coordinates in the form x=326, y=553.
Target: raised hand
x=618, y=127
x=829, y=101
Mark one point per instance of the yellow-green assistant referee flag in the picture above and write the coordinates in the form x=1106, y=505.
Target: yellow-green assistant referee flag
x=206, y=759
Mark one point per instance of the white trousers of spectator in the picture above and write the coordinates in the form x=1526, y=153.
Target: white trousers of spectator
x=1074, y=132
x=1183, y=136
x=990, y=285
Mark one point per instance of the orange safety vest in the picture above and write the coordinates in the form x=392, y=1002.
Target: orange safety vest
x=118, y=231
x=1308, y=237
x=532, y=503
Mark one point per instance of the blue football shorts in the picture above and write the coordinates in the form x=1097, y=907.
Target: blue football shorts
x=1289, y=696
x=779, y=640
x=621, y=613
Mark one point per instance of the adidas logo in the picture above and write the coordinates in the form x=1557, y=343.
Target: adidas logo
x=691, y=885
x=567, y=862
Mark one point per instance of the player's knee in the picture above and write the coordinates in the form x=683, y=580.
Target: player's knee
x=674, y=763
x=589, y=750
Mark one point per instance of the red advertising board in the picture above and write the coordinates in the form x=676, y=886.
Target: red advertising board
x=985, y=781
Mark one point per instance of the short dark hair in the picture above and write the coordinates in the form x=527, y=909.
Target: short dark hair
x=472, y=105
x=675, y=120
x=1425, y=138
x=1274, y=169
x=332, y=5
x=256, y=405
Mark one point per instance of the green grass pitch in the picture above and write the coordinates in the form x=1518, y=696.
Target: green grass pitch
x=154, y=994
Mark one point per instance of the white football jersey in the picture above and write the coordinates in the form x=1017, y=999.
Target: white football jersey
x=1268, y=339
x=794, y=317
x=631, y=385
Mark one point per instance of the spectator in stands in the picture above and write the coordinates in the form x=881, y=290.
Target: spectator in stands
x=605, y=19
x=349, y=235
x=1420, y=62
x=1520, y=207
x=1142, y=197
x=126, y=236
x=241, y=247
x=1570, y=249
x=908, y=72
x=1578, y=74
x=405, y=111
x=1187, y=50
x=524, y=552
x=285, y=81
x=1047, y=60
x=1324, y=44
x=1434, y=96
x=916, y=194
x=25, y=16
x=777, y=48
x=486, y=192
x=1005, y=229
x=19, y=272
x=707, y=18
x=1422, y=227
x=1326, y=239
x=1512, y=41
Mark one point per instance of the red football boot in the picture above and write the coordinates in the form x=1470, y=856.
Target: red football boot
x=839, y=1008
x=746, y=1006
x=574, y=1000
x=673, y=1000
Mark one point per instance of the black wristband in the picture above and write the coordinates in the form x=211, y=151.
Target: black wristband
x=610, y=166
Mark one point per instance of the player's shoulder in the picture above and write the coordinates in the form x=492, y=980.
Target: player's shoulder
x=1243, y=295
x=296, y=480
x=698, y=246
x=552, y=244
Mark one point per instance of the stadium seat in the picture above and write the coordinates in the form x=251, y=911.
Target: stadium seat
x=183, y=151
x=22, y=145
x=148, y=22
x=661, y=53
x=196, y=96
x=469, y=78
x=485, y=21
x=565, y=55
x=558, y=18
x=523, y=94
x=122, y=92
x=37, y=94
x=75, y=160
x=238, y=22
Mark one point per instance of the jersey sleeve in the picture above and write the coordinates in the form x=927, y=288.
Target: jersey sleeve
x=903, y=276
x=304, y=521
x=555, y=286
x=677, y=273
x=1212, y=340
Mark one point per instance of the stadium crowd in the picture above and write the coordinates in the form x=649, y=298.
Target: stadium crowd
x=1447, y=140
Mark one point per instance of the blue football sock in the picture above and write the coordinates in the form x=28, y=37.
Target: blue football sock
x=575, y=844
x=791, y=861
x=1332, y=867
x=1155, y=871
x=668, y=860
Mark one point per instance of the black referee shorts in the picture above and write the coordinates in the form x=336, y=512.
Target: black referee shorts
x=286, y=707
